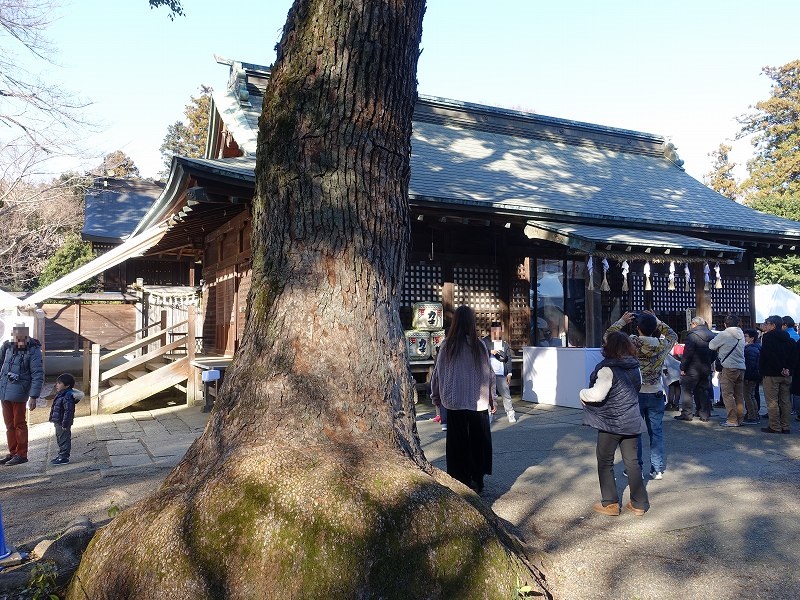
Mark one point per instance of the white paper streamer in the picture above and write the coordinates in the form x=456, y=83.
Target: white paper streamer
x=706, y=278
x=647, y=286
x=671, y=284
x=718, y=282
x=604, y=286
x=687, y=273
x=590, y=267
x=625, y=268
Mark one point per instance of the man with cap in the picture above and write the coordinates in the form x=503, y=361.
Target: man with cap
x=775, y=364
x=21, y=379
x=654, y=341
x=500, y=359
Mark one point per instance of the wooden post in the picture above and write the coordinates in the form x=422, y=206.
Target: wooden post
x=702, y=298
x=76, y=337
x=87, y=366
x=191, y=380
x=94, y=379
x=163, y=340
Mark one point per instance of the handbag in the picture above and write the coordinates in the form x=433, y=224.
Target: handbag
x=718, y=362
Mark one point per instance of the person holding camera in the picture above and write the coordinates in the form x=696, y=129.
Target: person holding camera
x=21, y=379
x=500, y=355
x=653, y=341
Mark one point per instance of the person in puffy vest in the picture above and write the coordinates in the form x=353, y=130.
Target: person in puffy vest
x=21, y=379
x=653, y=341
x=611, y=405
x=62, y=415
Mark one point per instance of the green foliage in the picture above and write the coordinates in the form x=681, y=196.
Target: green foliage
x=72, y=254
x=720, y=178
x=113, y=509
x=773, y=185
x=188, y=138
x=785, y=271
x=42, y=584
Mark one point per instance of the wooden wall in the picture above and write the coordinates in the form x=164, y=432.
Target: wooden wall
x=227, y=274
x=67, y=325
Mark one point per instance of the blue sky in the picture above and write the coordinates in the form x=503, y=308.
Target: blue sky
x=683, y=69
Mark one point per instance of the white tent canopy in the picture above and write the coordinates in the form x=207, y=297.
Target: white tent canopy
x=775, y=299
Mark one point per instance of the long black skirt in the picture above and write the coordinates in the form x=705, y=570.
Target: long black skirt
x=469, y=446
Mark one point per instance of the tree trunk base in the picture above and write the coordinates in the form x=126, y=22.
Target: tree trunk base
x=288, y=523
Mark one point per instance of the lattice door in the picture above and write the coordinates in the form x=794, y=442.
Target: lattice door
x=733, y=298
x=672, y=301
x=520, y=334
x=422, y=283
x=478, y=288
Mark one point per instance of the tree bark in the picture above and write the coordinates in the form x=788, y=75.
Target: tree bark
x=310, y=480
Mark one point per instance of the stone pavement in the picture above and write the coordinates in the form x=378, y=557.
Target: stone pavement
x=113, y=444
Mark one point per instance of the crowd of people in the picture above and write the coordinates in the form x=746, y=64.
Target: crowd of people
x=641, y=376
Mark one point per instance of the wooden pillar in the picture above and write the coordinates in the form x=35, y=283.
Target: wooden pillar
x=702, y=297
x=94, y=381
x=76, y=338
x=191, y=379
x=163, y=338
x=594, y=317
x=448, y=293
x=87, y=365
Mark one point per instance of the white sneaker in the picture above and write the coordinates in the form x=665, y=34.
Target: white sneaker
x=444, y=427
x=512, y=418
x=657, y=475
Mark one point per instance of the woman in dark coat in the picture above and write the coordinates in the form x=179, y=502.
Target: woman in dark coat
x=611, y=405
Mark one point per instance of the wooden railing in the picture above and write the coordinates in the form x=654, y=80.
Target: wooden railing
x=87, y=347
x=94, y=360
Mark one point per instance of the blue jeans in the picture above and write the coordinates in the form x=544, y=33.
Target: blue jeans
x=651, y=405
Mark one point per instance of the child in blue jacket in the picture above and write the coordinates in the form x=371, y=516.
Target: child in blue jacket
x=62, y=414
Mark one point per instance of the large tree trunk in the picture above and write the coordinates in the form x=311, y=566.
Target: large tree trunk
x=309, y=480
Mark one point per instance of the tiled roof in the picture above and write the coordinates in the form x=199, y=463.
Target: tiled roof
x=115, y=206
x=559, y=180
x=490, y=159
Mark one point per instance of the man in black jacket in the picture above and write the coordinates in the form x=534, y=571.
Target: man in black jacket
x=775, y=364
x=695, y=370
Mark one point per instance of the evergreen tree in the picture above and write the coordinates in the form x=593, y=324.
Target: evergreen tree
x=720, y=178
x=72, y=254
x=773, y=185
x=188, y=138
